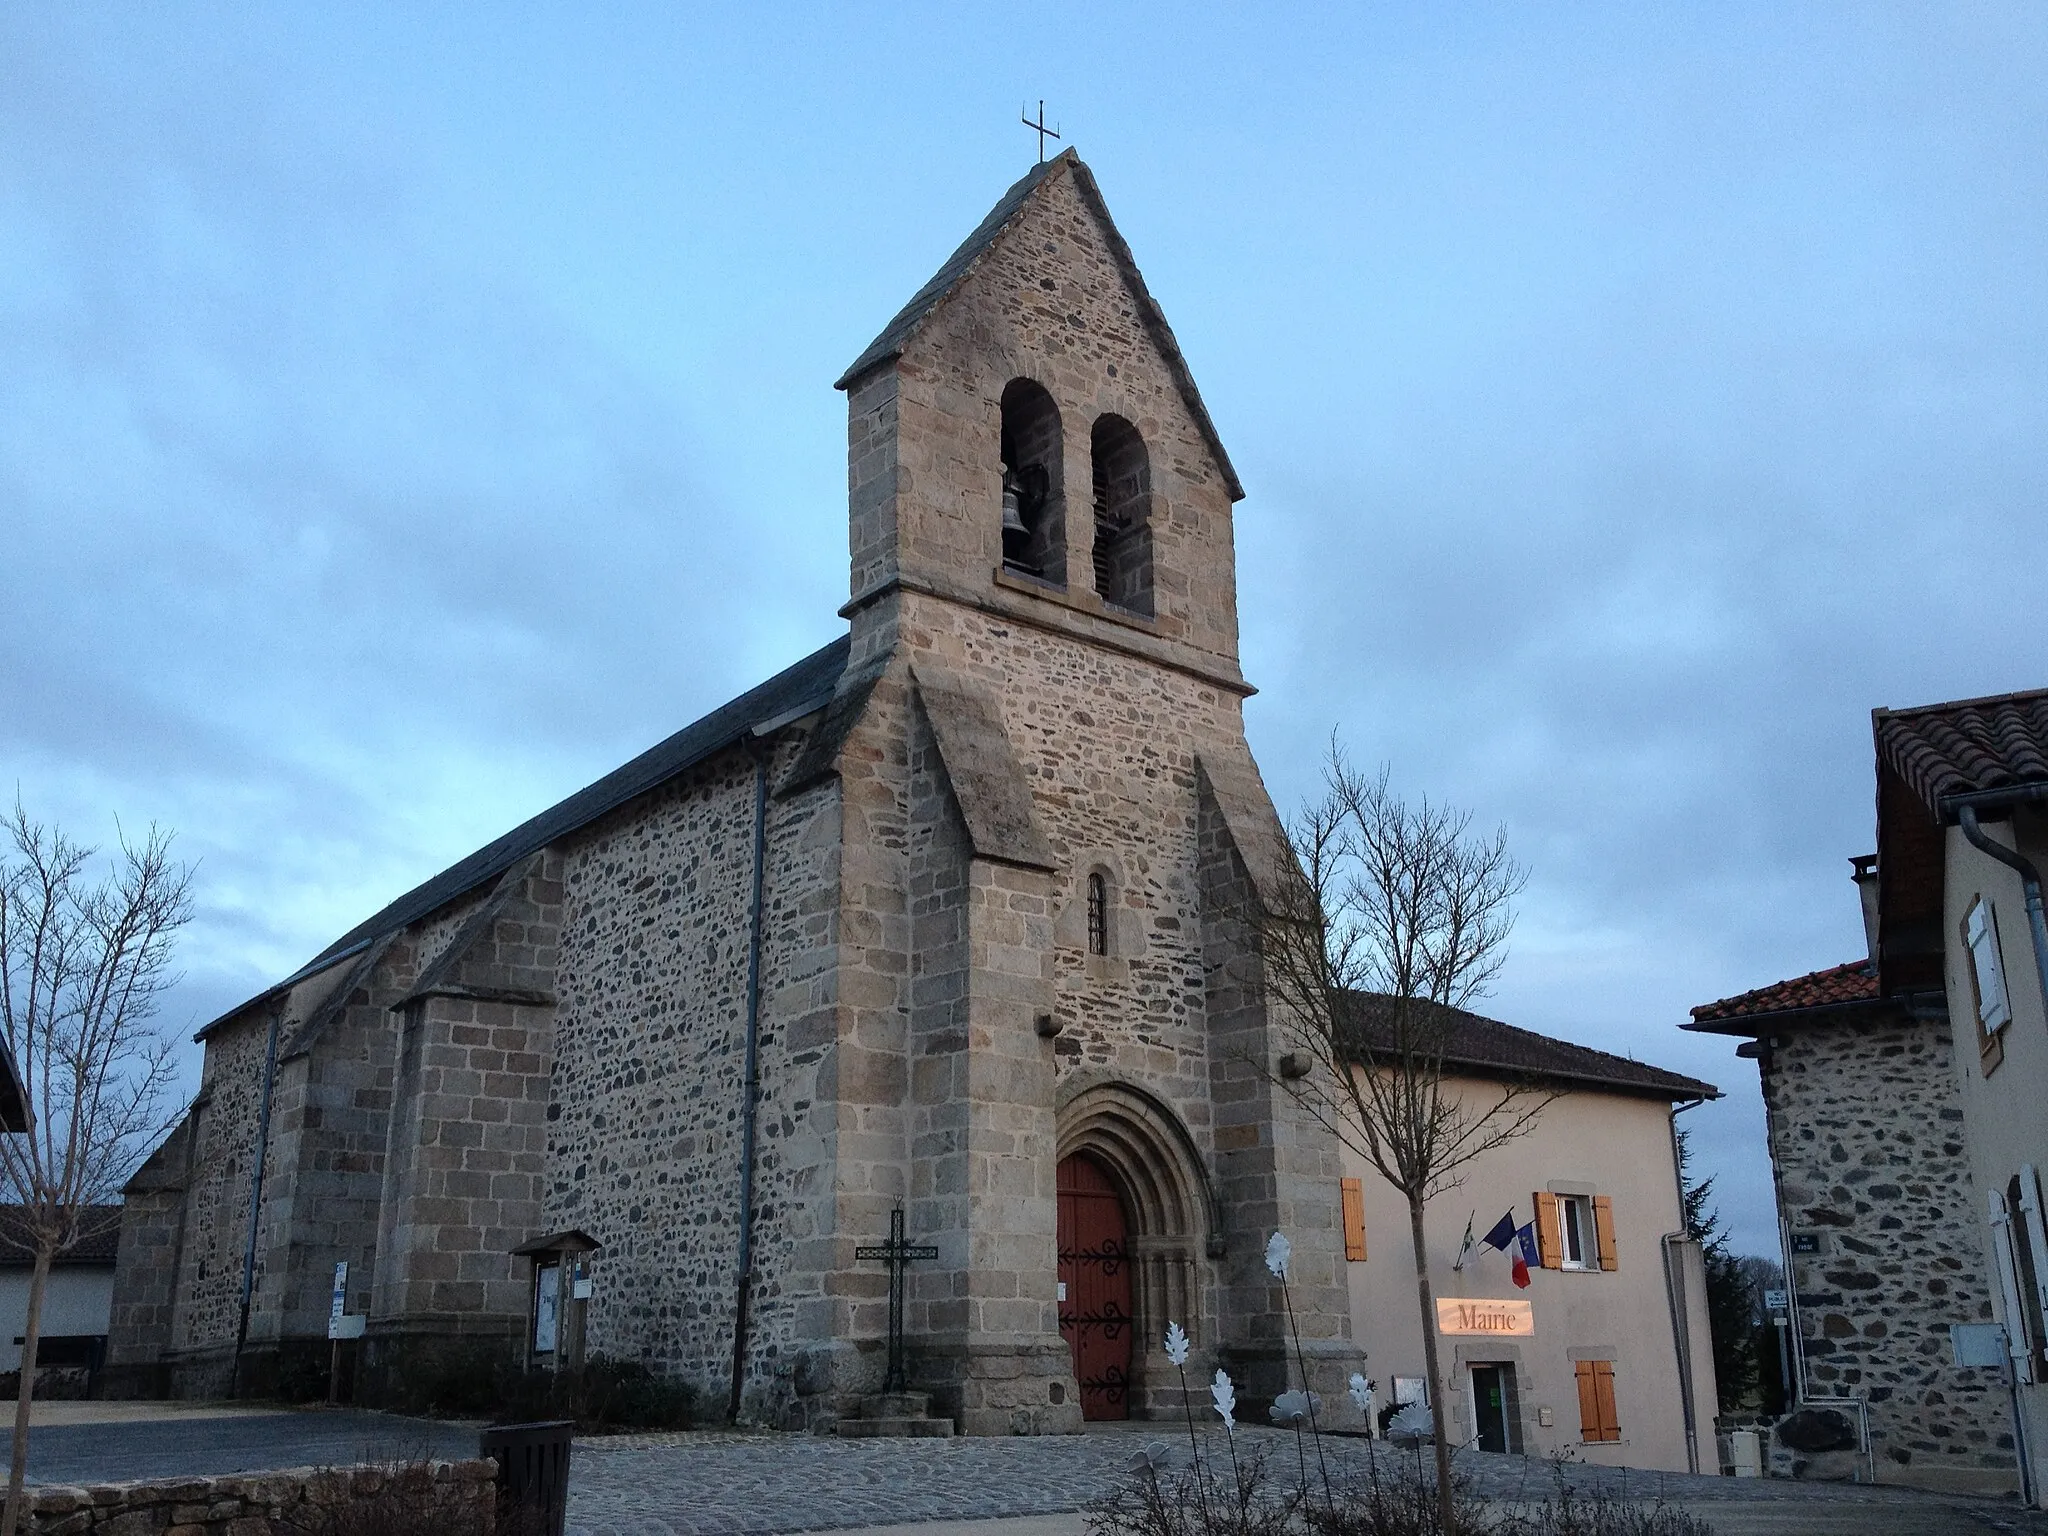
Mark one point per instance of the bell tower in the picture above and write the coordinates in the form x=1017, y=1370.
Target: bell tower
x=1025, y=436
x=1054, y=837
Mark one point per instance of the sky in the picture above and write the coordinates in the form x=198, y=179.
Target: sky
x=408, y=414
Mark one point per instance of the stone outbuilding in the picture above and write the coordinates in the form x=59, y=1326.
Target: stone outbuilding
x=1905, y=1097
x=953, y=915
x=1877, y=1216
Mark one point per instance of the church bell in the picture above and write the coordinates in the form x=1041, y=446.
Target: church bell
x=1013, y=509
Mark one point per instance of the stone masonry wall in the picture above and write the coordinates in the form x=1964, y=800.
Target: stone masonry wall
x=644, y=1121
x=225, y=1115
x=330, y=1121
x=1867, y=1143
x=463, y=1173
x=461, y=1495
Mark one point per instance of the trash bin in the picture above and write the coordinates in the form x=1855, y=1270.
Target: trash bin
x=533, y=1474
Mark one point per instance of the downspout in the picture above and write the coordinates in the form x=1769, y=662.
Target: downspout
x=1674, y=1297
x=752, y=1089
x=256, y=1184
x=2030, y=884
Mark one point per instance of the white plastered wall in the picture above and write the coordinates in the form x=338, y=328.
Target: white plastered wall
x=1588, y=1143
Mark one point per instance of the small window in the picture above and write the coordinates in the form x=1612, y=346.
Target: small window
x=1987, y=966
x=1575, y=1231
x=1575, y=1216
x=1098, y=915
x=1597, y=1419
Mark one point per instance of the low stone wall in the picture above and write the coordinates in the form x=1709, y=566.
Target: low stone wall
x=457, y=1498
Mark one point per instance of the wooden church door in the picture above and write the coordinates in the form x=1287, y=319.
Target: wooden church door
x=1095, y=1286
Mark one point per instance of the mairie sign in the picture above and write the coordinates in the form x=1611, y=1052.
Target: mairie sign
x=1511, y=1318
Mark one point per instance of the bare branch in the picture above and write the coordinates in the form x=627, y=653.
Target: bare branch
x=1399, y=919
x=83, y=967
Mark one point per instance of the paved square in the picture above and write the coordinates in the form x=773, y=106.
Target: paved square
x=710, y=1484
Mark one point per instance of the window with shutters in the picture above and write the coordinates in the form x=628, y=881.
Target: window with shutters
x=1597, y=1419
x=1987, y=982
x=2030, y=1258
x=1575, y=1232
x=1354, y=1220
x=2006, y=1246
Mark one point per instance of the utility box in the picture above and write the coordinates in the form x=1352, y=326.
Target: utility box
x=1746, y=1452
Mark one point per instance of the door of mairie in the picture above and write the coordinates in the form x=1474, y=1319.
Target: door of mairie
x=1095, y=1286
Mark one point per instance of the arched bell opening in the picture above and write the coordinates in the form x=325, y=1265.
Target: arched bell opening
x=1123, y=515
x=1034, y=497
x=1140, y=1151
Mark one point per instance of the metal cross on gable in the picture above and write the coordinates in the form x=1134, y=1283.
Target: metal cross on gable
x=1043, y=132
x=897, y=1253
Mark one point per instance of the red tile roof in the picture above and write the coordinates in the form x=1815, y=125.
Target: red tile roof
x=1972, y=744
x=1855, y=982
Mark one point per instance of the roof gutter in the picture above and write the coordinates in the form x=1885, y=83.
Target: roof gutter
x=2030, y=877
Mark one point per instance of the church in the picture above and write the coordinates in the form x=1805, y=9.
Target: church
x=951, y=918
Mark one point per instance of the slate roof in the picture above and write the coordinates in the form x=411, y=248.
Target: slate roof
x=790, y=694
x=100, y=1236
x=1854, y=982
x=1973, y=744
x=910, y=319
x=1493, y=1048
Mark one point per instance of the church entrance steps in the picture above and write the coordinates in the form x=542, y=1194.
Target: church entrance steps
x=905, y=1414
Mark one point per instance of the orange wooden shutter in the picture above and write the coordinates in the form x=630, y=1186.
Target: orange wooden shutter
x=1354, y=1220
x=1549, y=1250
x=1603, y=1391
x=1589, y=1400
x=1603, y=1230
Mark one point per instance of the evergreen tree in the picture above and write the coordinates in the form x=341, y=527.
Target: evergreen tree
x=1732, y=1302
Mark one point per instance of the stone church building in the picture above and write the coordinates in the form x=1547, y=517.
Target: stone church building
x=950, y=916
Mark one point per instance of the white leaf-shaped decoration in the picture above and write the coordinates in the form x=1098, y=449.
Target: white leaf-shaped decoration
x=1412, y=1423
x=1277, y=1251
x=1224, y=1396
x=1290, y=1406
x=1176, y=1344
x=1361, y=1393
x=1152, y=1458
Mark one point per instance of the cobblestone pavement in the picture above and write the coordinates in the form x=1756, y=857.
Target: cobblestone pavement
x=720, y=1484
x=188, y=1446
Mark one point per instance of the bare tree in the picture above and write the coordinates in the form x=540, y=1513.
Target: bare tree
x=83, y=965
x=1400, y=919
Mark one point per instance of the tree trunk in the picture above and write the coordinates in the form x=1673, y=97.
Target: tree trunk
x=1446, y=1511
x=31, y=1337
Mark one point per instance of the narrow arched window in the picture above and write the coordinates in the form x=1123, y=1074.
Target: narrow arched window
x=1123, y=515
x=1098, y=915
x=1034, y=525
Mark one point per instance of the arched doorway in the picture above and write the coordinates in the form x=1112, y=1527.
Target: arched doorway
x=1095, y=1286
x=1137, y=1147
